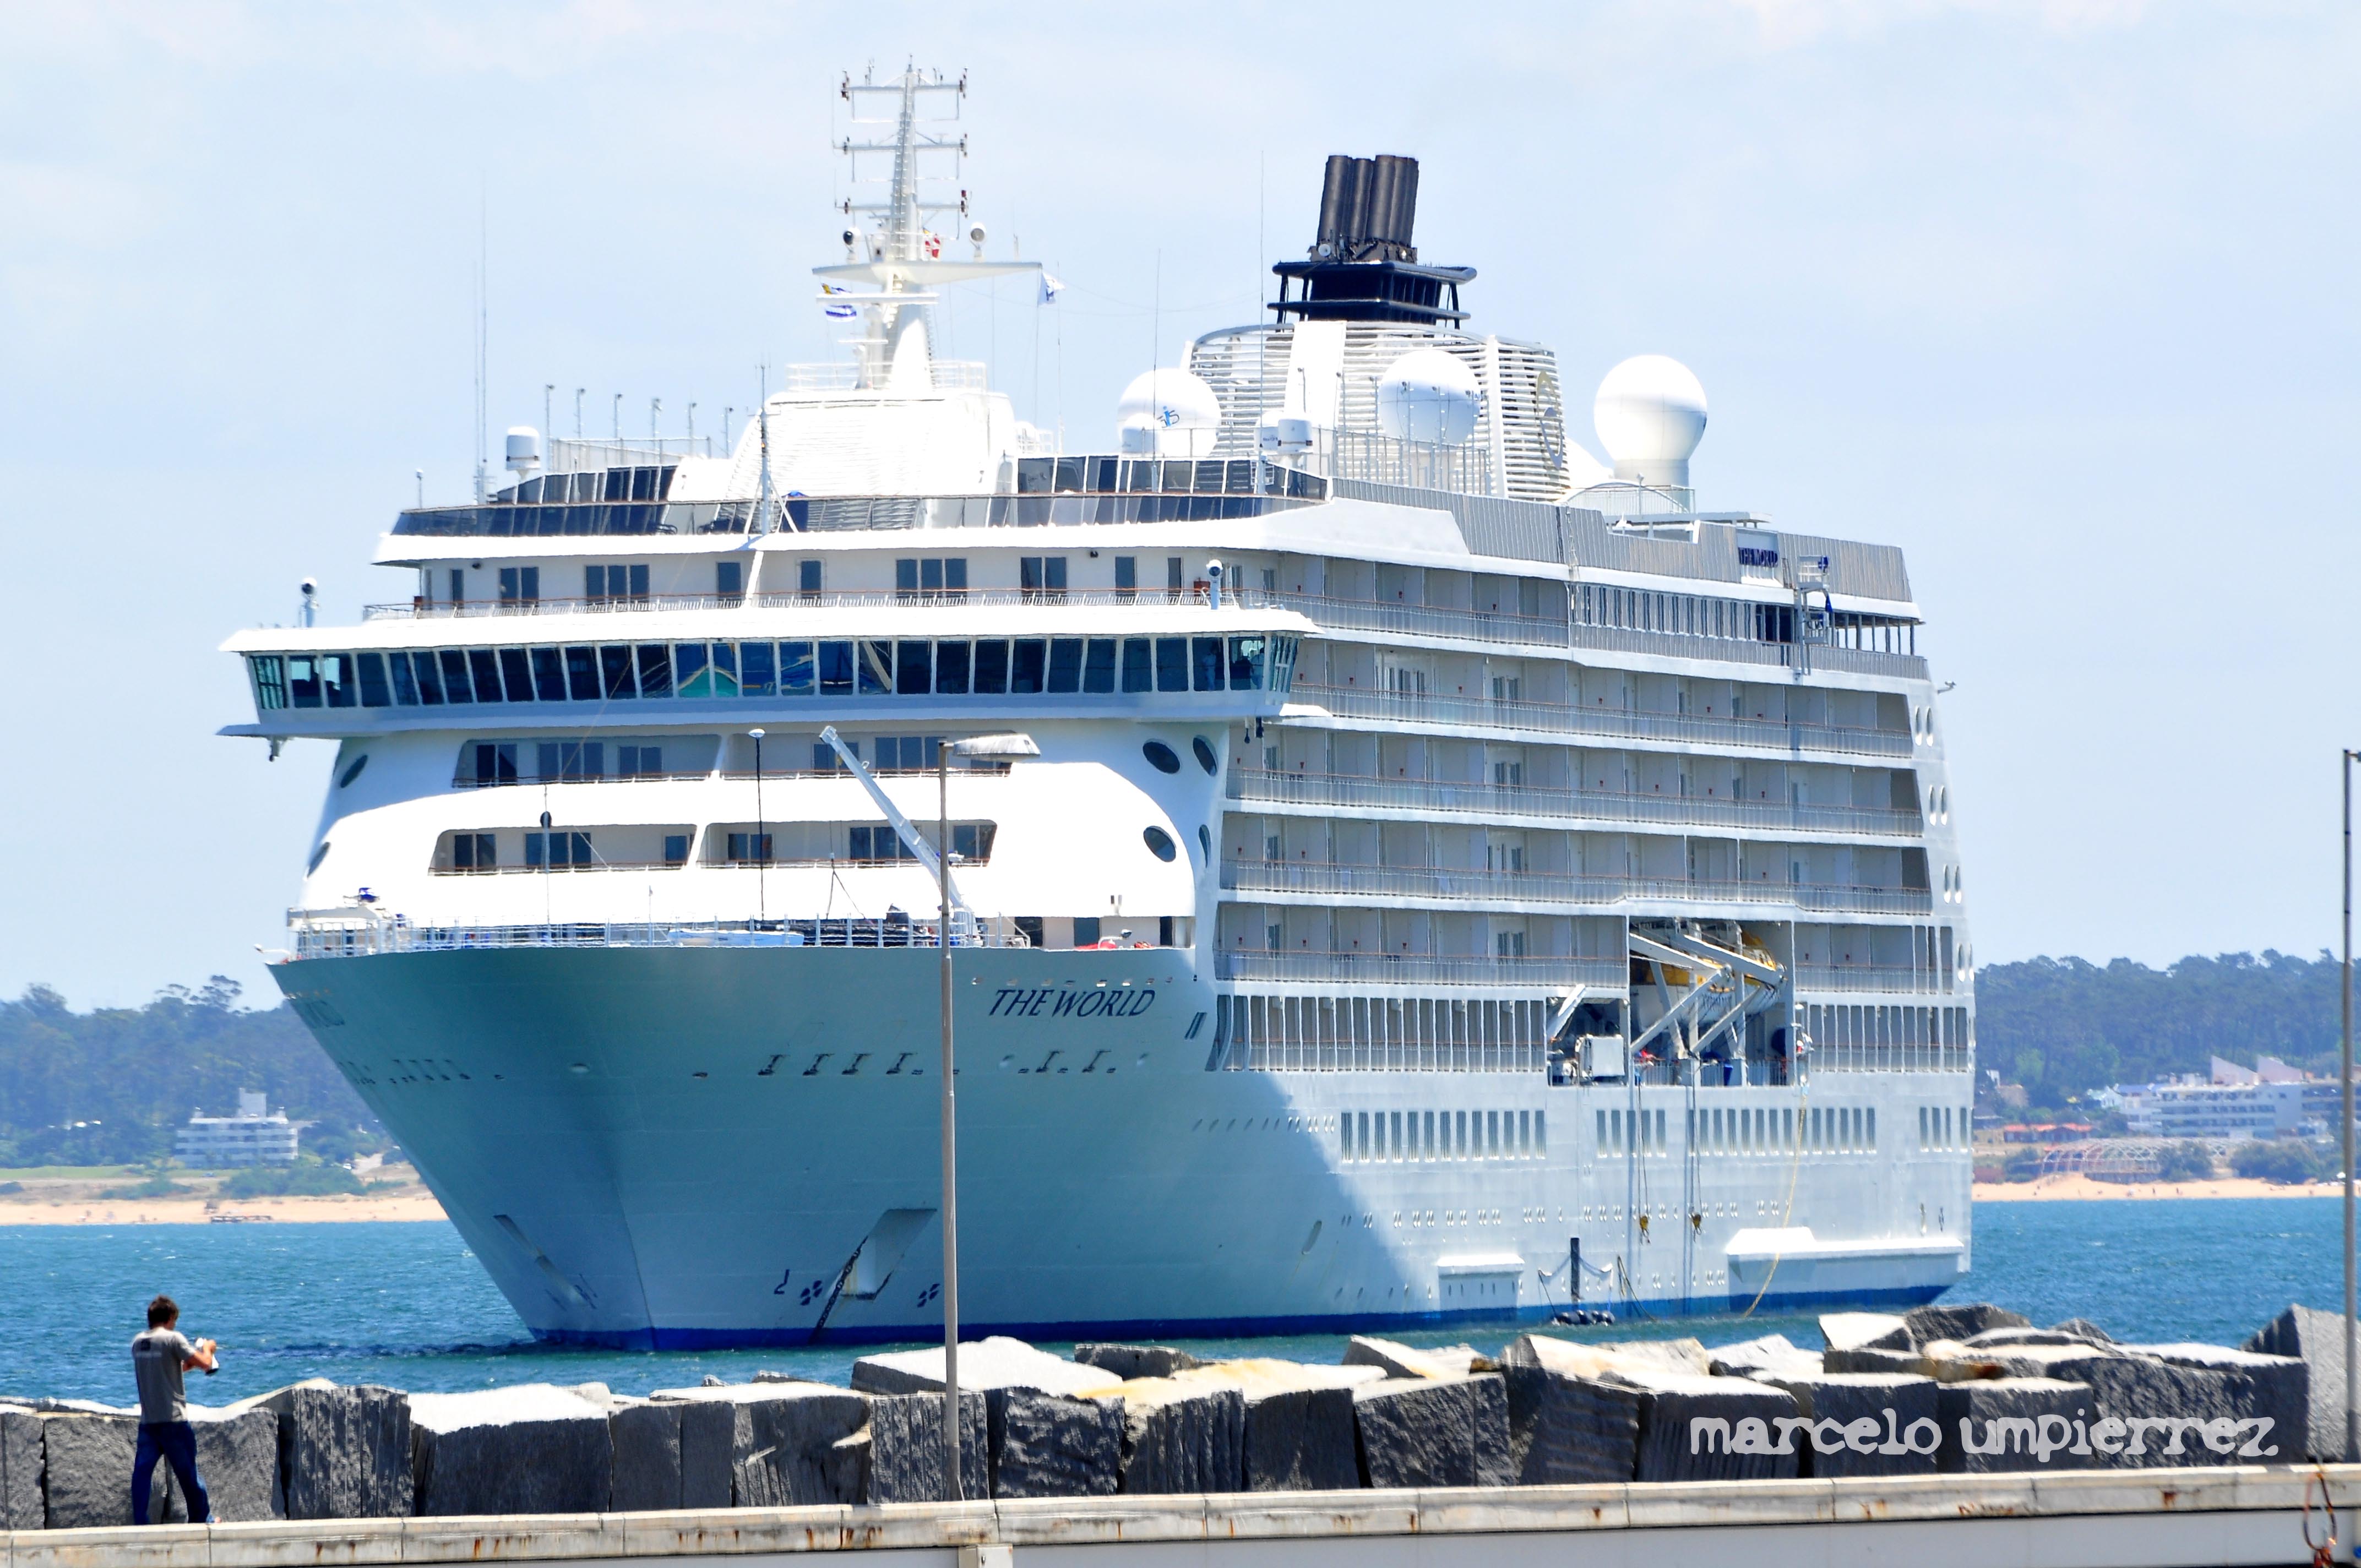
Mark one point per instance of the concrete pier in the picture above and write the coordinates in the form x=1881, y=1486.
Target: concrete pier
x=2153, y=1518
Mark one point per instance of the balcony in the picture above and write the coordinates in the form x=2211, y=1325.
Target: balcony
x=1240, y=599
x=1541, y=890
x=365, y=933
x=1351, y=791
x=1420, y=969
x=1613, y=723
x=1858, y=977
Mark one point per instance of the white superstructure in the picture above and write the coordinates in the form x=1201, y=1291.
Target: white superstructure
x=1457, y=878
x=256, y=1135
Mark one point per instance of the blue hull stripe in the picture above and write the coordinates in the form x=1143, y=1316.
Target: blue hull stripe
x=1211, y=1328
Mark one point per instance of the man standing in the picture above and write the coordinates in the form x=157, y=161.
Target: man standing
x=157, y=1358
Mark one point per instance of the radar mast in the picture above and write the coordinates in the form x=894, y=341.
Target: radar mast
x=896, y=254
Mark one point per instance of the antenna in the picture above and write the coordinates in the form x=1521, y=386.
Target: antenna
x=762, y=501
x=578, y=411
x=619, y=419
x=895, y=253
x=483, y=334
x=548, y=391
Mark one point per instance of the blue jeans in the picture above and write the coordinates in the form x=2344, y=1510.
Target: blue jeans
x=176, y=1446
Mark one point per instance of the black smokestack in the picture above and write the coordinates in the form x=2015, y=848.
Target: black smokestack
x=1368, y=209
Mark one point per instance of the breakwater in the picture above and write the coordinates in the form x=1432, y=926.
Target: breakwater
x=1960, y=1390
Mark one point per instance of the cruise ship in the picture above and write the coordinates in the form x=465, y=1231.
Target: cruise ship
x=1421, y=873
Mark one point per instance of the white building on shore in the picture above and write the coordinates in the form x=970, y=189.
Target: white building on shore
x=256, y=1135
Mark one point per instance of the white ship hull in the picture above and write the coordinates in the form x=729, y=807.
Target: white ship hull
x=684, y=1147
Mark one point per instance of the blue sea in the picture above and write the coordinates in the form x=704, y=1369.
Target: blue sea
x=405, y=1304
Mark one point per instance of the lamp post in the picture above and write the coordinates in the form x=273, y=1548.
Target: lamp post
x=762, y=861
x=990, y=747
x=2345, y=1130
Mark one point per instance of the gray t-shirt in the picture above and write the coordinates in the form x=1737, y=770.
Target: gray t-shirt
x=157, y=1357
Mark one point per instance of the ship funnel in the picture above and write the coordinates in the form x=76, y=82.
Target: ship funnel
x=1369, y=207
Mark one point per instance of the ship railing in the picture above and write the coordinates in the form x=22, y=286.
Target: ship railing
x=1048, y=491
x=1430, y=620
x=1746, y=651
x=1264, y=788
x=1237, y=599
x=844, y=376
x=1421, y=969
x=350, y=933
x=1519, y=889
x=1546, y=717
x=1899, y=978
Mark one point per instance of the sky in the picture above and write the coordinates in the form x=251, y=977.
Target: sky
x=2057, y=297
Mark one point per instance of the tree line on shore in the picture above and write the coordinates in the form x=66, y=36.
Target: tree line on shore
x=110, y=1085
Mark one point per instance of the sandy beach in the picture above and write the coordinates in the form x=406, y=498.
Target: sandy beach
x=415, y=1203
x=2078, y=1186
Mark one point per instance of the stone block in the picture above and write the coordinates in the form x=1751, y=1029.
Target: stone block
x=2001, y=1339
x=1489, y=1393
x=533, y=1449
x=2083, y=1328
x=646, y=1438
x=2011, y=1423
x=1873, y=1359
x=1579, y=1359
x=1416, y=1431
x=1398, y=1360
x=1298, y=1420
x=1182, y=1434
x=1302, y=1440
x=984, y=1364
x=2316, y=1339
x=87, y=1469
x=1567, y=1431
x=780, y=1436
x=1054, y=1445
x=1758, y=1358
x=708, y=1439
x=1127, y=1361
x=20, y=1470
x=1865, y=1331
x=2251, y=1385
x=1708, y=1428
x=344, y=1453
x=906, y=1449
x=1959, y=1321
x=2183, y=1405
x=237, y=1460
x=1865, y=1423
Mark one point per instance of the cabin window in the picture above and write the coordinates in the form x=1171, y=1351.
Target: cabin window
x=730, y=578
x=546, y=851
x=520, y=585
x=473, y=852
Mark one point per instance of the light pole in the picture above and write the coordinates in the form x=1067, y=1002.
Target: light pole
x=990, y=747
x=2344, y=1132
x=762, y=860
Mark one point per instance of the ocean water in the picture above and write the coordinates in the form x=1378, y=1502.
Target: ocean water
x=407, y=1306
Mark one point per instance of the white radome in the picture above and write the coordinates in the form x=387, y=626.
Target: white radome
x=1170, y=411
x=1429, y=397
x=1650, y=415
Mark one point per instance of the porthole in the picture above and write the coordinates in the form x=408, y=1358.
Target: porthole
x=1204, y=754
x=344, y=780
x=1160, y=757
x=1205, y=842
x=1159, y=843
x=317, y=856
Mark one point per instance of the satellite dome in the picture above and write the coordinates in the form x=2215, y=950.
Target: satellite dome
x=1650, y=415
x=1429, y=397
x=1170, y=411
